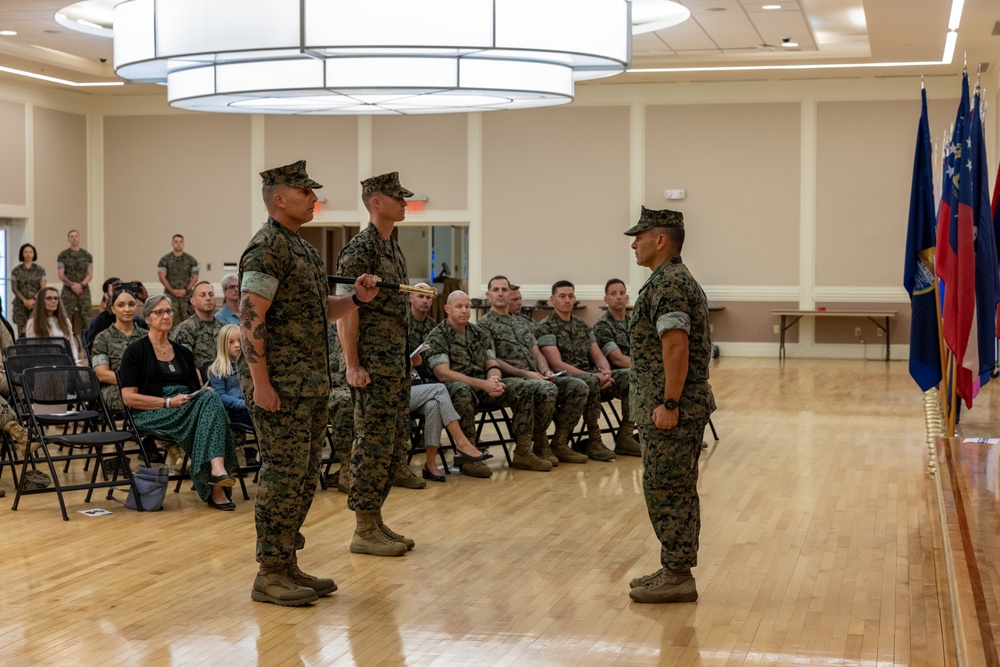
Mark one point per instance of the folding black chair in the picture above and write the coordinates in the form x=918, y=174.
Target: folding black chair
x=490, y=417
x=73, y=385
x=24, y=341
x=247, y=436
x=417, y=442
x=43, y=348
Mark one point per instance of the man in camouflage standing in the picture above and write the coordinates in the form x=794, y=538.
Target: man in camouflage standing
x=462, y=353
x=569, y=345
x=518, y=355
x=198, y=333
x=75, y=270
x=284, y=309
x=178, y=273
x=378, y=367
x=671, y=400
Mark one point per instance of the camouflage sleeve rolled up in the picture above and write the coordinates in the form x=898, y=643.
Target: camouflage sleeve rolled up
x=178, y=269
x=465, y=352
x=75, y=264
x=573, y=338
x=611, y=334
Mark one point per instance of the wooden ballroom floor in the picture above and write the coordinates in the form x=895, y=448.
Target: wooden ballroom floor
x=816, y=549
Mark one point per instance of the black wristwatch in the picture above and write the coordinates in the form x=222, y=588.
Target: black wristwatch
x=670, y=404
x=358, y=302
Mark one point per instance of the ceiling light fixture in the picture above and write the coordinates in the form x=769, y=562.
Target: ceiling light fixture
x=770, y=7
x=789, y=44
x=653, y=15
x=8, y=33
x=375, y=57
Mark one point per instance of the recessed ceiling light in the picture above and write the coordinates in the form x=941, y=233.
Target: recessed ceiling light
x=715, y=9
x=789, y=44
x=769, y=7
x=8, y=33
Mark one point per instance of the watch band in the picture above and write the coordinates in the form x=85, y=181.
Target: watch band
x=670, y=404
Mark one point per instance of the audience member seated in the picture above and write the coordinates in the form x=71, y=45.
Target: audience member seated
x=460, y=352
x=111, y=343
x=49, y=319
x=198, y=333
x=569, y=345
x=421, y=324
x=223, y=377
x=107, y=317
x=158, y=379
x=230, y=311
x=518, y=355
x=341, y=408
x=611, y=329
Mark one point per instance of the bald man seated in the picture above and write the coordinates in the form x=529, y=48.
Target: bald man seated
x=461, y=353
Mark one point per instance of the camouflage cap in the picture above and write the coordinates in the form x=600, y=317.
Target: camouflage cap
x=291, y=174
x=387, y=184
x=34, y=480
x=650, y=219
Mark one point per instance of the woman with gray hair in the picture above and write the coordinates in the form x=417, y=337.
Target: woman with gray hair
x=230, y=311
x=161, y=384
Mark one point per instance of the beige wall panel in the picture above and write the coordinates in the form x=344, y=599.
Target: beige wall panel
x=864, y=171
x=60, y=183
x=556, y=194
x=841, y=329
x=329, y=145
x=749, y=322
x=13, y=167
x=739, y=165
x=183, y=174
x=430, y=154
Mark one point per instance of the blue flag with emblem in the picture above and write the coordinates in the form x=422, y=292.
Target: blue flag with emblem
x=918, y=272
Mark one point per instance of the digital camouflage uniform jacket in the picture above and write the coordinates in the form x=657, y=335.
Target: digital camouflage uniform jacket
x=199, y=337
x=612, y=335
x=670, y=299
x=573, y=339
x=418, y=334
x=179, y=269
x=465, y=352
x=280, y=265
x=513, y=338
x=382, y=332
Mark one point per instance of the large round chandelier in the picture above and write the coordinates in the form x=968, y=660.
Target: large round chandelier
x=369, y=56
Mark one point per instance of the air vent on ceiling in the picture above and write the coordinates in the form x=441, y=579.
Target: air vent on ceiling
x=996, y=28
x=983, y=67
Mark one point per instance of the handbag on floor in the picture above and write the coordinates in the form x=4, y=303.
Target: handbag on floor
x=151, y=483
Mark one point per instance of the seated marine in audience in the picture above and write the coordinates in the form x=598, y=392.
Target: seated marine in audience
x=110, y=344
x=611, y=329
x=49, y=319
x=519, y=356
x=230, y=311
x=462, y=353
x=107, y=316
x=569, y=345
x=198, y=333
x=159, y=380
x=421, y=324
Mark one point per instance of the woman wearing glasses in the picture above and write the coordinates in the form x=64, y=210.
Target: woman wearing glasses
x=49, y=319
x=158, y=378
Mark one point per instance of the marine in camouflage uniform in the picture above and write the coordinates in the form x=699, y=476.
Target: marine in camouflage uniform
x=108, y=348
x=611, y=335
x=75, y=264
x=469, y=351
x=574, y=340
x=377, y=341
x=418, y=330
x=199, y=336
x=341, y=408
x=179, y=270
x=280, y=268
x=670, y=301
x=25, y=282
x=514, y=342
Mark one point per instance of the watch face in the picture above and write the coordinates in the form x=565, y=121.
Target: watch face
x=670, y=404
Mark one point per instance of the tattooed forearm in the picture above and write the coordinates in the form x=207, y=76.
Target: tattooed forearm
x=247, y=314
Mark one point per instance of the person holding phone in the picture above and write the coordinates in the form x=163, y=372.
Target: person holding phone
x=160, y=383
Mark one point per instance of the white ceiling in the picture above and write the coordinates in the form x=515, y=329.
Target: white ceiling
x=720, y=33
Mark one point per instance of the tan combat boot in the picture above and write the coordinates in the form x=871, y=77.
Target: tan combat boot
x=322, y=586
x=525, y=459
x=541, y=449
x=392, y=535
x=561, y=449
x=276, y=587
x=666, y=586
x=625, y=443
x=595, y=446
x=369, y=538
x=406, y=478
